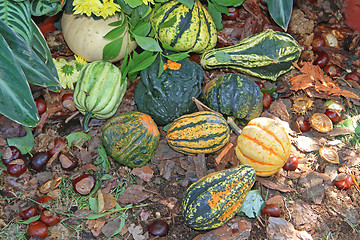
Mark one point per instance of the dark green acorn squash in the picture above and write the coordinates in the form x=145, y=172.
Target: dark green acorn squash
x=214, y=199
x=235, y=95
x=131, y=138
x=168, y=96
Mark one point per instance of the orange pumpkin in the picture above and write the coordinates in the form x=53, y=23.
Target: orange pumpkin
x=264, y=145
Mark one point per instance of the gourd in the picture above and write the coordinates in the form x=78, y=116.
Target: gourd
x=235, y=95
x=85, y=36
x=98, y=91
x=193, y=29
x=199, y=132
x=267, y=55
x=130, y=138
x=169, y=95
x=214, y=199
x=263, y=144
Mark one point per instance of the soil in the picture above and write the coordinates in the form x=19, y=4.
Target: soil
x=312, y=207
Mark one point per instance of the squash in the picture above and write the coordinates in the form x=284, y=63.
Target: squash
x=130, y=138
x=85, y=36
x=193, y=30
x=169, y=95
x=263, y=144
x=199, y=132
x=214, y=199
x=99, y=91
x=267, y=55
x=234, y=95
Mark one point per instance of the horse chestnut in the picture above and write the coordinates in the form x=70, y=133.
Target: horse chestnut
x=49, y=218
x=56, y=144
x=158, y=228
x=37, y=229
x=28, y=213
x=322, y=59
x=271, y=210
x=343, y=181
x=11, y=153
x=84, y=184
x=233, y=14
x=41, y=105
x=334, y=116
x=44, y=199
x=266, y=100
x=317, y=43
x=353, y=76
x=16, y=167
x=292, y=163
x=39, y=160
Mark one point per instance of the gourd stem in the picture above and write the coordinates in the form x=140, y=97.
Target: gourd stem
x=233, y=125
x=86, y=120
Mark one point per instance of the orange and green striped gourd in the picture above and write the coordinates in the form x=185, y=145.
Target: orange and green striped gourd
x=265, y=145
x=199, y=132
x=214, y=199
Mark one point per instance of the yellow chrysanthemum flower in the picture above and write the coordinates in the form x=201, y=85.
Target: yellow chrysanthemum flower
x=68, y=72
x=87, y=7
x=80, y=60
x=146, y=2
x=109, y=8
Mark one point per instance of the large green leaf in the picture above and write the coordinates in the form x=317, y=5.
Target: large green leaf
x=34, y=68
x=280, y=11
x=228, y=3
x=16, y=102
x=18, y=16
x=46, y=7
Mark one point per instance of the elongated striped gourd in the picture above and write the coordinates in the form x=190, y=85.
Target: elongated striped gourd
x=193, y=29
x=214, y=199
x=267, y=55
x=199, y=132
x=263, y=144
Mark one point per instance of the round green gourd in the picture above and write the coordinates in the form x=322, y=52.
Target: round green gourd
x=130, y=138
x=169, y=95
x=214, y=199
x=235, y=95
x=191, y=30
x=99, y=90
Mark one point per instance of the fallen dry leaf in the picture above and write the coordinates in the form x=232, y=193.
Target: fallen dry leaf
x=133, y=194
x=106, y=201
x=275, y=185
x=95, y=226
x=278, y=108
x=144, y=173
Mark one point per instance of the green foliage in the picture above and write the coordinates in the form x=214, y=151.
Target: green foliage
x=77, y=138
x=46, y=7
x=24, y=144
x=280, y=11
x=252, y=204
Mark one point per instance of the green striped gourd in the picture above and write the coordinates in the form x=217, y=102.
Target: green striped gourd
x=235, y=95
x=130, y=138
x=263, y=144
x=267, y=55
x=99, y=90
x=193, y=29
x=214, y=199
x=199, y=132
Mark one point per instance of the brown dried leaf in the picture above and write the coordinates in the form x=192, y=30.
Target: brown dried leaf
x=133, y=194
x=106, y=201
x=278, y=108
x=144, y=173
x=95, y=226
x=275, y=185
x=313, y=76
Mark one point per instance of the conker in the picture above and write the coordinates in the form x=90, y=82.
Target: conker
x=28, y=213
x=304, y=124
x=260, y=84
x=11, y=153
x=292, y=163
x=353, y=76
x=39, y=160
x=271, y=210
x=68, y=101
x=158, y=228
x=317, y=43
x=343, y=181
x=266, y=100
x=16, y=167
x=322, y=60
x=84, y=184
x=41, y=105
x=37, y=229
x=44, y=200
x=233, y=14
x=68, y=162
x=56, y=144
x=331, y=70
x=49, y=218
x=334, y=116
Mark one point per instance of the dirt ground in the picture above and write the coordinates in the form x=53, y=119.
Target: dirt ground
x=312, y=207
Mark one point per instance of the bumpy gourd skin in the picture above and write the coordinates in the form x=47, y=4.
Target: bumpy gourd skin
x=234, y=95
x=168, y=96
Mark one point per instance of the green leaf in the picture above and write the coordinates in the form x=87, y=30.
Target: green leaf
x=141, y=61
x=106, y=177
x=25, y=144
x=222, y=56
x=269, y=91
x=112, y=49
x=118, y=230
x=94, y=205
x=188, y=3
x=168, y=47
x=147, y=43
x=17, y=15
x=228, y=3
x=30, y=220
x=78, y=138
x=133, y=3
x=168, y=23
x=166, y=127
x=116, y=32
x=161, y=67
x=45, y=7
x=215, y=15
x=142, y=29
x=178, y=56
x=280, y=11
x=252, y=204
x=16, y=101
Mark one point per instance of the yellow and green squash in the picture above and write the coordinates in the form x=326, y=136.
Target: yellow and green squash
x=214, y=199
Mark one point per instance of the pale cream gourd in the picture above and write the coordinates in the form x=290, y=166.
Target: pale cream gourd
x=85, y=36
x=263, y=144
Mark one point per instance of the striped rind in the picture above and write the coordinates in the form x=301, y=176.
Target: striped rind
x=193, y=31
x=267, y=55
x=199, y=132
x=130, y=138
x=214, y=199
x=234, y=95
x=99, y=89
x=264, y=145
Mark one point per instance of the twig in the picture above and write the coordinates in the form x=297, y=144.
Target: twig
x=72, y=116
x=223, y=152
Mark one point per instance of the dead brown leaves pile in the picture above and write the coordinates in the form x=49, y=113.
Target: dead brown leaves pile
x=312, y=77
